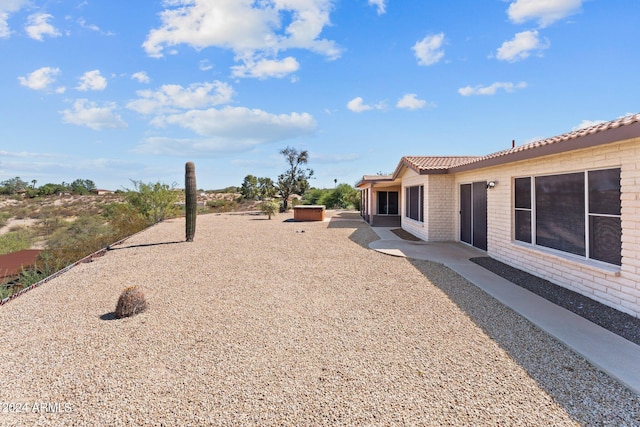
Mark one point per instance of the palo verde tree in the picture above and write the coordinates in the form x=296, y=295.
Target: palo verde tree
x=295, y=179
x=154, y=202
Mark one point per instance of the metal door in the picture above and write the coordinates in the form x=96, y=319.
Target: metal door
x=473, y=214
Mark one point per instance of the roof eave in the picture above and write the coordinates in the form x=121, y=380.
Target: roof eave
x=585, y=141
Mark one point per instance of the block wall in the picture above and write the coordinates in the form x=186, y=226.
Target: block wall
x=615, y=286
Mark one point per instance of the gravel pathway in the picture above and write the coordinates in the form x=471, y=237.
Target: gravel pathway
x=263, y=322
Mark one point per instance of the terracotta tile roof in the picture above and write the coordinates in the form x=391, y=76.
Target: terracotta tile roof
x=433, y=163
x=616, y=130
x=11, y=264
x=602, y=133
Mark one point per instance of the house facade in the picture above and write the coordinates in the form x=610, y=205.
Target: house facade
x=565, y=208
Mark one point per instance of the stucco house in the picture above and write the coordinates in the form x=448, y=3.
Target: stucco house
x=565, y=208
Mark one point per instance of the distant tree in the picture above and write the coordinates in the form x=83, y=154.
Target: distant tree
x=13, y=186
x=343, y=196
x=154, y=201
x=82, y=186
x=249, y=187
x=49, y=189
x=313, y=196
x=266, y=188
x=295, y=179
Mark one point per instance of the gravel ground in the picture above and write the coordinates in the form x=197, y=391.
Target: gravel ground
x=619, y=323
x=263, y=322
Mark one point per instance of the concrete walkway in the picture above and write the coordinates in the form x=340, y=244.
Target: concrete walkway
x=609, y=352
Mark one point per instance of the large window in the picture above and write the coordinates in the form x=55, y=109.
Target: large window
x=387, y=203
x=414, y=206
x=578, y=213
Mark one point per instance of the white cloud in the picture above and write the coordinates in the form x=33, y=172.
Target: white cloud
x=411, y=101
x=92, y=80
x=429, y=50
x=7, y=7
x=491, y=89
x=38, y=26
x=244, y=123
x=89, y=114
x=521, y=46
x=205, y=65
x=26, y=154
x=546, y=12
x=40, y=79
x=171, y=98
x=253, y=30
x=588, y=123
x=380, y=5
x=228, y=129
x=264, y=68
x=357, y=105
x=141, y=77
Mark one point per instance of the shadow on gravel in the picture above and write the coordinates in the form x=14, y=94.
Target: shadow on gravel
x=109, y=316
x=567, y=377
x=362, y=235
x=143, y=245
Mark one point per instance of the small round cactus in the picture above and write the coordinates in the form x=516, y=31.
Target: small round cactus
x=131, y=302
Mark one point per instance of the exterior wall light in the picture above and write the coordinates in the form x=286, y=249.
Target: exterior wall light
x=491, y=184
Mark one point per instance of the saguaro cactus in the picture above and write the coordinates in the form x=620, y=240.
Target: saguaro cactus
x=191, y=201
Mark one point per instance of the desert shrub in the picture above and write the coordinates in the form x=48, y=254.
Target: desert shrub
x=80, y=238
x=269, y=208
x=222, y=205
x=4, y=217
x=130, y=302
x=154, y=201
x=5, y=292
x=21, y=212
x=124, y=219
x=32, y=275
x=16, y=240
x=48, y=225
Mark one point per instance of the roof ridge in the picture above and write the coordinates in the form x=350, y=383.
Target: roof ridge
x=576, y=133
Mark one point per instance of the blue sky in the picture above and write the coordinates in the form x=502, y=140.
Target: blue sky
x=113, y=93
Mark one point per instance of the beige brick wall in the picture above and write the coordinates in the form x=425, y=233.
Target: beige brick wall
x=439, y=201
x=618, y=287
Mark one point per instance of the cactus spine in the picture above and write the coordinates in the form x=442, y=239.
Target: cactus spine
x=191, y=201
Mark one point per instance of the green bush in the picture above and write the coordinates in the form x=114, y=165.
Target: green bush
x=269, y=208
x=343, y=196
x=154, y=201
x=4, y=217
x=82, y=237
x=15, y=241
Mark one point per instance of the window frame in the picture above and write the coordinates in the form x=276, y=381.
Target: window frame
x=386, y=193
x=409, y=199
x=590, y=252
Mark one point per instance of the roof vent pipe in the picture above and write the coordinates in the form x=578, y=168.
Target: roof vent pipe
x=513, y=143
